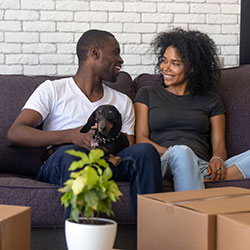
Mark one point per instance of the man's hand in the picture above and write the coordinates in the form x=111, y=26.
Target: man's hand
x=84, y=140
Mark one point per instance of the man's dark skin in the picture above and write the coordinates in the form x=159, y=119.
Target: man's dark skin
x=101, y=64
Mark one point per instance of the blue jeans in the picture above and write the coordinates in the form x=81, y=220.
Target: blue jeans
x=140, y=166
x=180, y=164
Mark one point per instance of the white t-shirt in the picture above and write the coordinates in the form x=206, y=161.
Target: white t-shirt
x=63, y=105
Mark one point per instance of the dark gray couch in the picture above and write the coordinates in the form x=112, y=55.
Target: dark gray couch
x=19, y=167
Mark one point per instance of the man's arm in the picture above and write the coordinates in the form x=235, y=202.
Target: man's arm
x=131, y=139
x=23, y=133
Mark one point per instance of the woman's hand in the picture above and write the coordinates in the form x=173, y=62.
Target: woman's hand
x=161, y=150
x=216, y=169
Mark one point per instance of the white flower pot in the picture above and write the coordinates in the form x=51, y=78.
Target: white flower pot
x=90, y=237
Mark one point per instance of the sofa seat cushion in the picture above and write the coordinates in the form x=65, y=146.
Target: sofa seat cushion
x=44, y=200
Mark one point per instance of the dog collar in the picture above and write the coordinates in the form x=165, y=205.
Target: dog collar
x=100, y=139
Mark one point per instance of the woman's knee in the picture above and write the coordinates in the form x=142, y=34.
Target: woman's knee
x=182, y=151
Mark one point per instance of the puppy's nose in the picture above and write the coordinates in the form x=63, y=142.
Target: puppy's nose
x=103, y=126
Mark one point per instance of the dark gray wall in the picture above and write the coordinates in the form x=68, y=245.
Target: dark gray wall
x=245, y=32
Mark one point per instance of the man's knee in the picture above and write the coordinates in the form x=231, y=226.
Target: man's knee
x=146, y=149
x=62, y=155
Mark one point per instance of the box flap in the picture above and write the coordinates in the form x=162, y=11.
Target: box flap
x=7, y=211
x=226, y=204
x=243, y=218
x=173, y=197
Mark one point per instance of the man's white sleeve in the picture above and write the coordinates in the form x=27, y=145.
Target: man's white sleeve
x=128, y=125
x=41, y=99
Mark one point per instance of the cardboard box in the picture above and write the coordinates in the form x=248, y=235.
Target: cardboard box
x=14, y=227
x=186, y=220
x=233, y=231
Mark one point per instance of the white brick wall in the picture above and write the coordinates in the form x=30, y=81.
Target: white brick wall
x=39, y=36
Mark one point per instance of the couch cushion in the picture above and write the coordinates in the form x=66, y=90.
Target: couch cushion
x=147, y=80
x=234, y=89
x=44, y=200
x=14, y=91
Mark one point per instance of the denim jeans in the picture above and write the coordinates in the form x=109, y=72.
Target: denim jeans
x=180, y=164
x=140, y=166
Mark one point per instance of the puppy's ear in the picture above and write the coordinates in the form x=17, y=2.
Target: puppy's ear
x=91, y=122
x=117, y=128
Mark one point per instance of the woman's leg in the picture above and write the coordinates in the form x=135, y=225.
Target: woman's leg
x=238, y=167
x=184, y=167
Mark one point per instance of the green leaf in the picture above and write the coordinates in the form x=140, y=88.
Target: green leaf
x=66, y=199
x=107, y=174
x=101, y=194
x=79, y=154
x=78, y=185
x=102, y=187
x=69, y=182
x=114, y=188
x=95, y=155
x=111, y=196
x=61, y=190
x=99, y=170
x=73, y=201
x=91, y=176
x=74, y=215
x=89, y=212
x=91, y=199
x=102, y=163
x=76, y=164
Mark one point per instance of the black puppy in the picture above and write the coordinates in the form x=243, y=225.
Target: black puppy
x=108, y=135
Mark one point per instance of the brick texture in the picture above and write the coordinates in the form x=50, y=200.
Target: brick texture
x=39, y=36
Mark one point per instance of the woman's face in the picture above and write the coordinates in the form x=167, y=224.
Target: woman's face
x=172, y=68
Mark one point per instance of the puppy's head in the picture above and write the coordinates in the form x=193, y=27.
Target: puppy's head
x=108, y=120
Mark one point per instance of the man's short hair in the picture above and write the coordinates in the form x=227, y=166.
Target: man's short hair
x=88, y=39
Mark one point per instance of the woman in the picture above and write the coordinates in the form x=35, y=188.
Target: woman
x=184, y=119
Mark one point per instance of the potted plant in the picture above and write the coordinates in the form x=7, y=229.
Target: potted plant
x=88, y=192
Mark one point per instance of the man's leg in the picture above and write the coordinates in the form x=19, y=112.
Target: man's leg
x=141, y=166
x=55, y=169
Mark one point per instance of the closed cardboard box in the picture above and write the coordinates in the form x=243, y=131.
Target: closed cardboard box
x=186, y=220
x=233, y=231
x=14, y=227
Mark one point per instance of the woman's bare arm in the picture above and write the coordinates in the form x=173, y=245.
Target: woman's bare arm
x=217, y=124
x=142, y=127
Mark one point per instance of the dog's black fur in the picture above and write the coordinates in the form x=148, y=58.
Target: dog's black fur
x=108, y=133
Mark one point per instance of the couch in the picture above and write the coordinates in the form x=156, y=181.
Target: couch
x=19, y=167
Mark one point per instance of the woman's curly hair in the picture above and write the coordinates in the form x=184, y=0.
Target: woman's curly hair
x=198, y=53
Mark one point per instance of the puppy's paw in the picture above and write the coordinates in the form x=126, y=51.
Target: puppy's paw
x=115, y=160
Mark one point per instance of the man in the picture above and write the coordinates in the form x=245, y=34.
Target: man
x=64, y=107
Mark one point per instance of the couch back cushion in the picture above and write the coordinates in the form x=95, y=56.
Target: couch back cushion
x=14, y=91
x=234, y=89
